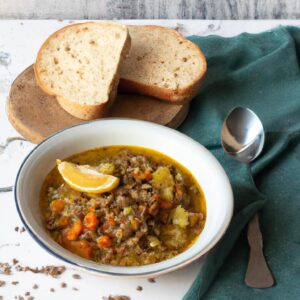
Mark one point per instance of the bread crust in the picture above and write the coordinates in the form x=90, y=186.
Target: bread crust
x=179, y=96
x=85, y=111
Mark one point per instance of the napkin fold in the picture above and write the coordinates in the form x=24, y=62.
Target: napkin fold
x=261, y=72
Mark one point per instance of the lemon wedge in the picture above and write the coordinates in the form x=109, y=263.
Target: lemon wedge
x=86, y=178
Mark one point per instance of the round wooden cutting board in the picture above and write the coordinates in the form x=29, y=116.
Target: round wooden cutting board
x=35, y=115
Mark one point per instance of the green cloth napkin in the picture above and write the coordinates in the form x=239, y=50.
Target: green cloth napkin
x=259, y=71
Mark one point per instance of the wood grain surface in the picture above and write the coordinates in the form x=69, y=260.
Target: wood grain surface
x=36, y=115
x=150, y=9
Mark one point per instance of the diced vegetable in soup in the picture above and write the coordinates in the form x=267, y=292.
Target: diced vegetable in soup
x=123, y=205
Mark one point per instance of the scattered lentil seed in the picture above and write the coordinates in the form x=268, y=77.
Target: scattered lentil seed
x=30, y=298
x=35, y=286
x=52, y=290
x=22, y=229
x=5, y=269
x=15, y=282
x=139, y=288
x=15, y=261
x=75, y=288
x=63, y=285
x=152, y=280
x=2, y=283
x=17, y=228
x=27, y=294
x=76, y=276
x=53, y=271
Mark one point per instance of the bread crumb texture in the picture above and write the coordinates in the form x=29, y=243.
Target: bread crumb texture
x=80, y=61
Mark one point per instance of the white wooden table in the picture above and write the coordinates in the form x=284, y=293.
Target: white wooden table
x=19, y=42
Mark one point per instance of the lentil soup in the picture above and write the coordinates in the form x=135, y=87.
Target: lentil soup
x=156, y=211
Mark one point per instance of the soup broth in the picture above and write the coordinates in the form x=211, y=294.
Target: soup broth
x=155, y=212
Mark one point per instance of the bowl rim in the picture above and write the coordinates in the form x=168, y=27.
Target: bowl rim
x=172, y=267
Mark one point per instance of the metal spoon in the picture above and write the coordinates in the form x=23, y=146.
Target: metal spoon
x=243, y=138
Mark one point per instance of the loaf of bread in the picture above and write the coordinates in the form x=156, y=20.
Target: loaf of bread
x=80, y=65
x=163, y=64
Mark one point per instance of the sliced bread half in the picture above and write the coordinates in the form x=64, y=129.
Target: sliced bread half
x=80, y=65
x=163, y=64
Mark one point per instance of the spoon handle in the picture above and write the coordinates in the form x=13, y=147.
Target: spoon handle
x=258, y=274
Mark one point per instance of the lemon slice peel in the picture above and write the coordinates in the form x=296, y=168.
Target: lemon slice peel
x=85, y=178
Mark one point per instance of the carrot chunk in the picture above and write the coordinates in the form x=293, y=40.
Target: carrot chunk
x=146, y=175
x=56, y=206
x=179, y=191
x=108, y=225
x=155, y=197
x=166, y=204
x=153, y=209
x=90, y=221
x=73, y=232
x=81, y=248
x=63, y=222
x=104, y=241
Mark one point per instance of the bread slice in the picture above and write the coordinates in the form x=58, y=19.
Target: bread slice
x=162, y=64
x=80, y=65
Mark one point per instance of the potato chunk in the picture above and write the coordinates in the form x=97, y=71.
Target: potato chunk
x=164, y=181
x=153, y=241
x=180, y=216
x=173, y=236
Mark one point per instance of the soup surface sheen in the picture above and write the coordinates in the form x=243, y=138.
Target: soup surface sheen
x=156, y=211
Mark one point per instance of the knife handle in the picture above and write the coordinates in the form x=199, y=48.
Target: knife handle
x=258, y=274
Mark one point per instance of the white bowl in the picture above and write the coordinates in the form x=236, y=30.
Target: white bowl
x=106, y=132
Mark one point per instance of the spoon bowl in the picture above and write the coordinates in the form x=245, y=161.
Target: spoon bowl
x=243, y=134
